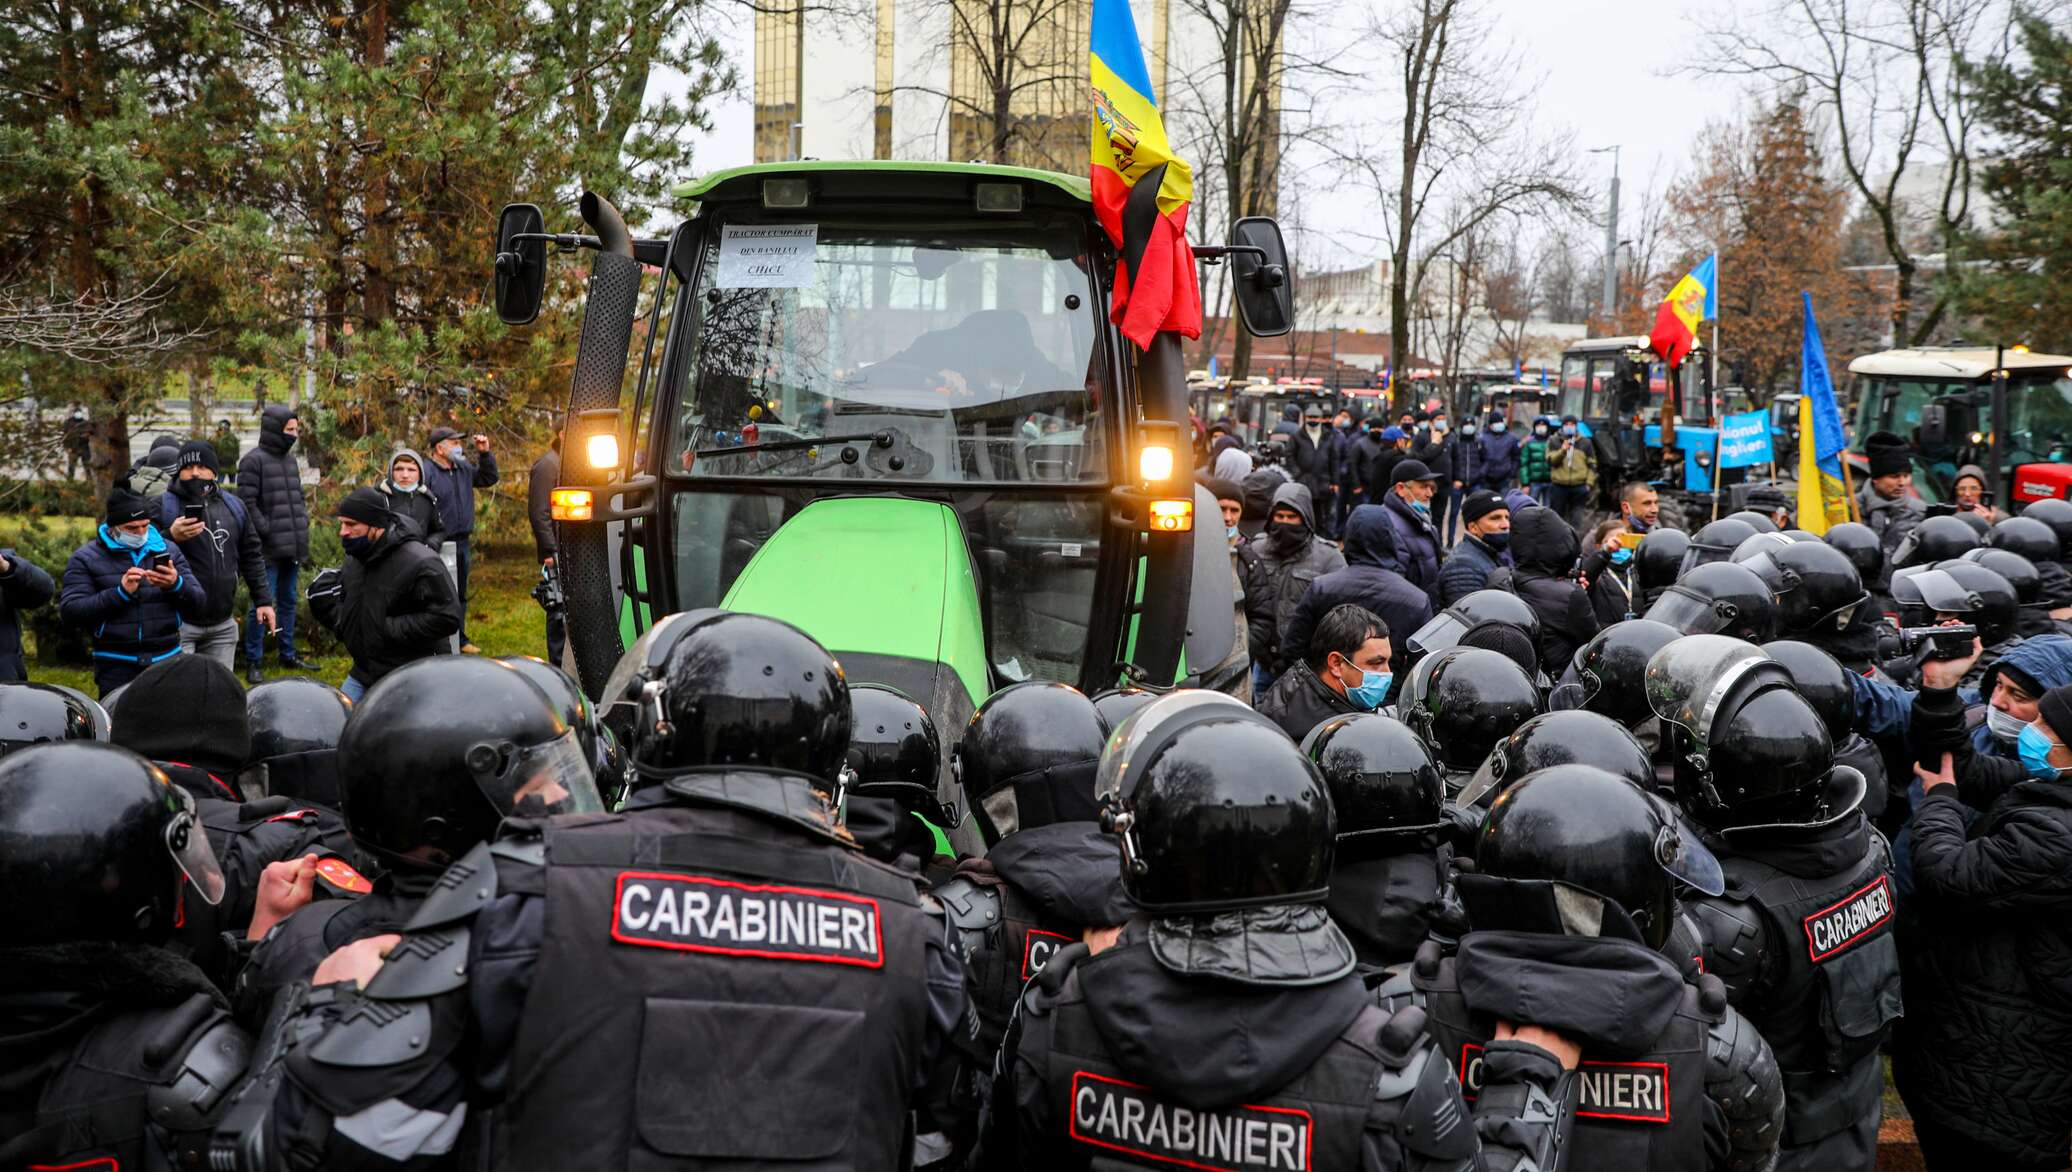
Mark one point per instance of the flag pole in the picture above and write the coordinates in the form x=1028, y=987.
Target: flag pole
x=1718, y=479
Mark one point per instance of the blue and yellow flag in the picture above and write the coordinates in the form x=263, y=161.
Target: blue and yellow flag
x=1823, y=495
x=1141, y=188
x=1694, y=299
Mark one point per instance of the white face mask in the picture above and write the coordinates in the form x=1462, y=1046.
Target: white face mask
x=2005, y=726
x=406, y=488
x=131, y=540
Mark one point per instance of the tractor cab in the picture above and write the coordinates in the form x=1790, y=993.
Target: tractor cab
x=2009, y=411
x=1518, y=404
x=1619, y=388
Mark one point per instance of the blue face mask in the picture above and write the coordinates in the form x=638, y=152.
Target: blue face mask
x=1421, y=508
x=131, y=540
x=1372, y=689
x=1621, y=556
x=2034, y=749
x=1230, y=532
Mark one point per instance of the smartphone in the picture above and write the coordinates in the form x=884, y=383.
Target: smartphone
x=195, y=512
x=1630, y=539
x=160, y=561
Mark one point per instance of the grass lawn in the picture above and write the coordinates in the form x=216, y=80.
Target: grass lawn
x=502, y=617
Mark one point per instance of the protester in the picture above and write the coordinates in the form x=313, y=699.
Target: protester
x=1532, y=459
x=392, y=602
x=1231, y=461
x=1571, y=471
x=1395, y=448
x=221, y=543
x=1545, y=549
x=539, y=512
x=1968, y=491
x=1640, y=507
x=1409, y=512
x=1887, y=501
x=409, y=498
x=1368, y=580
x=1434, y=449
x=224, y=440
x=1484, y=547
x=269, y=481
x=1256, y=616
x=1609, y=568
x=1293, y=556
x=1345, y=669
x=1315, y=461
x=1361, y=456
x=23, y=586
x=1492, y=456
x=453, y=481
x=129, y=589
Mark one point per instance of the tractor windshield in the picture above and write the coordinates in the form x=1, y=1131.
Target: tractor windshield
x=2039, y=425
x=910, y=354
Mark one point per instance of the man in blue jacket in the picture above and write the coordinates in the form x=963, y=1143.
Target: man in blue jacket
x=1367, y=580
x=1492, y=456
x=1408, y=507
x=453, y=480
x=23, y=586
x=130, y=589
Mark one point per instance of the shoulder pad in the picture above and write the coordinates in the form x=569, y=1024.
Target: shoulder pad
x=375, y=1033
x=1397, y=992
x=427, y=963
x=464, y=889
x=1732, y=936
x=529, y=851
x=1429, y=1116
x=187, y=1100
x=971, y=907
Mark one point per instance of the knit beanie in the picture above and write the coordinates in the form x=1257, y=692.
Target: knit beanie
x=200, y=452
x=190, y=709
x=2056, y=710
x=125, y=506
x=1888, y=454
x=367, y=506
x=1479, y=504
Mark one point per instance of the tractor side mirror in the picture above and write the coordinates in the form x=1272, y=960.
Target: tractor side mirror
x=1265, y=293
x=1935, y=425
x=521, y=265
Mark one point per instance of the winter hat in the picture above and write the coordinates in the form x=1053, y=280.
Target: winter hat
x=200, y=452
x=1479, y=504
x=189, y=709
x=367, y=506
x=1411, y=470
x=125, y=506
x=2056, y=710
x=1223, y=490
x=1888, y=454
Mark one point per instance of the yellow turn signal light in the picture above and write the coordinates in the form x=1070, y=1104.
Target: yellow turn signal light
x=1172, y=516
x=573, y=504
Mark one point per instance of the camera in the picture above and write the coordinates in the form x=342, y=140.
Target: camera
x=1943, y=643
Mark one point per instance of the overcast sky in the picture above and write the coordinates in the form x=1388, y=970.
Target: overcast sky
x=1604, y=61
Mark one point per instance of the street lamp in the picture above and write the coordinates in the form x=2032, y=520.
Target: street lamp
x=1611, y=237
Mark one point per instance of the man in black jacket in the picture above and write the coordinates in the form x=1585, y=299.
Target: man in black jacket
x=1367, y=581
x=1345, y=671
x=1316, y=455
x=539, y=510
x=1485, y=547
x=453, y=480
x=1985, y=946
x=222, y=546
x=1545, y=549
x=23, y=586
x=392, y=602
x=269, y=481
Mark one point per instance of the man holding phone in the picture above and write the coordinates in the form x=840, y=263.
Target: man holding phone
x=222, y=545
x=130, y=591
x=453, y=481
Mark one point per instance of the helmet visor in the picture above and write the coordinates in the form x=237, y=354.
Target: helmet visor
x=1121, y=759
x=1443, y=631
x=1689, y=680
x=1685, y=856
x=1689, y=612
x=1573, y=695
x=534, y=782
x=189, y=846
x=1485, y=782
x=1942, y=593
x=644, y=655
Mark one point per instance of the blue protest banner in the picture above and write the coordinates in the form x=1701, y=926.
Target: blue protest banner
x=1744, y=439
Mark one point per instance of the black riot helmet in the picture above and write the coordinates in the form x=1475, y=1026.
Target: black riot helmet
x=1935, y=539
x=1758, y=545
x=1461, y=702
x=1922, y=592
x=1028, y=755
x=894, y=751
x=1117, y=704
x=1822, y=680
x=1445, y=629
x=607, y=763
x=1746, y=747
x=1816, y=587
x=1385, y=788
x=1560, y=738
x=2019, y=571
x=1719, y=598
x=1217, y=809
x=1979, y=525
x=1998, y=605
x=2035, y=541
x=296, y=725
x=34, y=714
x=1611, y=671
x=1859, y=543
x=1716, y=542
x=1576, y=829
x=1658, y=561
x=2056, y=513
x=441, y=750
x=94, y=842
x=717, y=690
x=1760, y=522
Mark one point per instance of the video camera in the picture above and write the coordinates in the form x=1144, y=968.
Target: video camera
x=1942, y=643
x=547, y=592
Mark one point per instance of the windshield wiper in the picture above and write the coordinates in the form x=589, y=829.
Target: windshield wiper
x=881, y=438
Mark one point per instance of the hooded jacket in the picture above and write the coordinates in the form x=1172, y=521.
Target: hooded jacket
x=421, y=505
x=1545, y=549
x=1290, y=566
x=1889, y=519
x=140, y=628
x=1492, y=458
x=270, y=483
x=392, y=607
x=226, y=550
x=1070, y=872
x=1368, y=580
x=23, y=587
x=1417, y=555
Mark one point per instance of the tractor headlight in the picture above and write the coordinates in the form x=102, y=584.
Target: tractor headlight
x=603, y=451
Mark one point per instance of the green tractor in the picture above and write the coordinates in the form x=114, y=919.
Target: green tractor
x=883, y=402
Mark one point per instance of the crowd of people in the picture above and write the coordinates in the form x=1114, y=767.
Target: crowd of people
x=1640, y=850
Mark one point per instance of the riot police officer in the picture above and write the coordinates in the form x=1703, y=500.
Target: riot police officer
x=2032, y=616
x=1824, y=682
x=1657, y=563
x=1573, y=901
x=1610, y=674
x=1719, y=598
x=724, y=915
x=1715, y=542
x=1391, y=879
x=1998, y=613
x=35, y=714
x=2036, y=543
x=296, y=722
x=1572, y=737
x=1446, y=629
x=888, y=789
x=1117, y=704
x=600, y=747
x=1802, y=935
x=1127, y=1057
x=1461, y=702
x=1935, y=539
x=415, y=801
x=114, y=1050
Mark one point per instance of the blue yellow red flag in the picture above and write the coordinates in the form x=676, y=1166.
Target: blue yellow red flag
x=1141, y=188
x=1693, y=299
x=1823, y=494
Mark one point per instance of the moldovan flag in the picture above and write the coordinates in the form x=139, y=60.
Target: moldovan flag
x=1692, y=301
x=1141, y=188
x=1823, y=496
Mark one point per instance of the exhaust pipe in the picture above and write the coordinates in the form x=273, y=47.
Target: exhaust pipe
x=585, y=555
